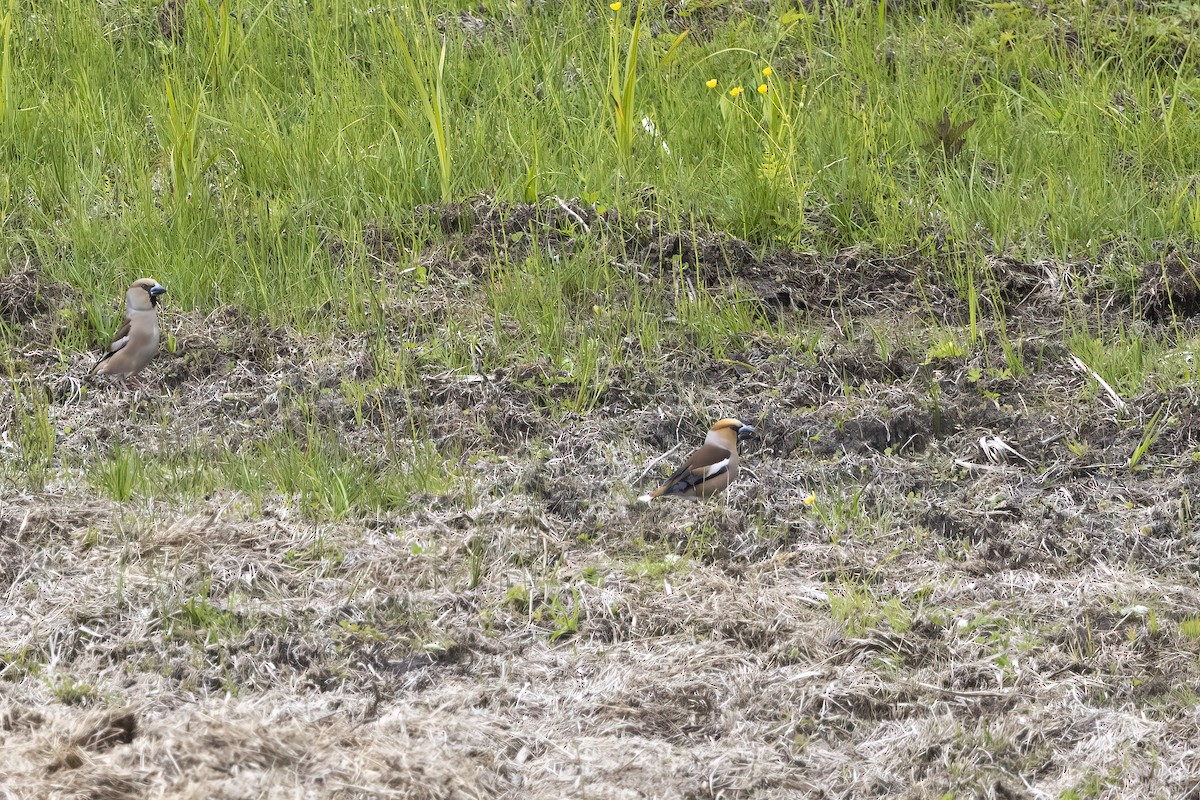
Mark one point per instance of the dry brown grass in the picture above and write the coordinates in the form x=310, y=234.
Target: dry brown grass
x=386, y=676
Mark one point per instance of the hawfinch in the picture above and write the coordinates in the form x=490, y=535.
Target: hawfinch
x=136, y=343
x=711, y=468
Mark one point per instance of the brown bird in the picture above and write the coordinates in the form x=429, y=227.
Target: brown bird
x=711, y=468
x=136, y=343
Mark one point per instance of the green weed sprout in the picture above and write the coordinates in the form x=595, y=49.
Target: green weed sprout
x=427, y=73
x=622, y=80
x=6, y=62
x=182, y=140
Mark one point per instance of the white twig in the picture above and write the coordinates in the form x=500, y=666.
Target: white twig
x=571, y=213
x=962, y=692
x=971, y=465
x=653, y=463
x=998, y=451
x=1112, y=393
x=656, y=461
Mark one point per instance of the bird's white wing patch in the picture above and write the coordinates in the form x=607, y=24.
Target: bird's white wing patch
x=713, y=469
x=118, y=344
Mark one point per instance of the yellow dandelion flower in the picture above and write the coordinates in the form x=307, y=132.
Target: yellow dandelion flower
x=615, y=6
x=711, y=83
x=762, y=88
x=768, y=72
x=810, y=500
x=735, y=91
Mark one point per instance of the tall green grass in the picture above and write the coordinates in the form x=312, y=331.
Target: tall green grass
x=316, y=475
x=277, y=120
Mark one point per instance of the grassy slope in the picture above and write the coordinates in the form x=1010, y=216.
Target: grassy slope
x=873, y=608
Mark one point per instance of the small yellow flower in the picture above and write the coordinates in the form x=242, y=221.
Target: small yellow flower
x=711, y=83
x=810, y=500
x=615, y=6
x=768, y=72
x=735, y=91
x=762, y=88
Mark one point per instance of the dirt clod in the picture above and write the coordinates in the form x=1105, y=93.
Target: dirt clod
x=1169, y=289
x=23, y=296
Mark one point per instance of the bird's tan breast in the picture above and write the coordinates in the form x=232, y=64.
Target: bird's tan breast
x=141, y=348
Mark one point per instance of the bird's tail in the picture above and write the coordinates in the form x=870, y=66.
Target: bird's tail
x=103, y=358
x=646, y=498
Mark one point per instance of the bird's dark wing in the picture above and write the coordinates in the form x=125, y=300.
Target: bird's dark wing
x=706, y=463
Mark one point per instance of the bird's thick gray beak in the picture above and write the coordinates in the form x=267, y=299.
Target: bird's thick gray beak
x=745, y=430
x=156, y=290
